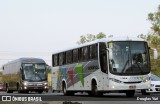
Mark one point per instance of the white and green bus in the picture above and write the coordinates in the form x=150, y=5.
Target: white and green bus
x=105, y=65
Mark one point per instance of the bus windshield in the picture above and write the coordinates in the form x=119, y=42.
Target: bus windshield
x=129, y=58
x=34, y=72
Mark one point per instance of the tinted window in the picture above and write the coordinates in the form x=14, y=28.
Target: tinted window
x=75, y=55
x=93, y=51
x=55, y=59
x=103, y=57
x=85, y=53
x=81, y=54
x=61, y=59
x=69, y=57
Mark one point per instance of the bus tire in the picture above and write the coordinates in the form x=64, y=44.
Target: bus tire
x=65, y=92
x=71, y=93
x=8, y=91
x=94, y=91
x=130, y=93
x=40, y=91
x=26, y=92
x=18, y=88
x=144, y=92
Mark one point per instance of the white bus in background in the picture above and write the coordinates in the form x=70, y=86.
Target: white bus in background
x=105, y=65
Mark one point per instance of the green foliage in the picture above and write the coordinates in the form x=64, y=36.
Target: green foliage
x=153, y=39
x=154, y=18
x=100, y=35
x=154, y=42
x=90, y=37
x=82, y=40
x=142, y=36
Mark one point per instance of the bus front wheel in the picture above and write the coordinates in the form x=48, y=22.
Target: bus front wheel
x=8, y=91
x=95, y=91
x=144, y=92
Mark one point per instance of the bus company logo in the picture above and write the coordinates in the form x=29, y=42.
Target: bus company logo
x=6, y=98
x=139, y=78
x=17, y=98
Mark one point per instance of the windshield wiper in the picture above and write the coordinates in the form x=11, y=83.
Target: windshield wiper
x=123, y=70
x=125, y=66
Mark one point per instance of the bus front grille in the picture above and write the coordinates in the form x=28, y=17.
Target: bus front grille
x=132, y=82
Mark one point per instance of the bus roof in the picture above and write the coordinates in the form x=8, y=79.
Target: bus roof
x=26, y=60
x=109, y=39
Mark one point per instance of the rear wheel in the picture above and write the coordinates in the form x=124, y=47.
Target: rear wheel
x=65, y=92
x=130, y=93
x=64, y=89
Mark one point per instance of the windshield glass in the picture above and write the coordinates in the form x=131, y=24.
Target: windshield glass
x=155, y=78
x=129, y=58
x=34, y=72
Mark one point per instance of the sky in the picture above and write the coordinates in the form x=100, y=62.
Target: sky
x=37, y=28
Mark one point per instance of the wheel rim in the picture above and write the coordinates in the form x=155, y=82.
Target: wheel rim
x=94, y=90
x=64, y=90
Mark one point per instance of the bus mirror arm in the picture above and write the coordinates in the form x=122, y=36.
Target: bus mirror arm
x=155, y=53
x=20, y=68
x=110, y=54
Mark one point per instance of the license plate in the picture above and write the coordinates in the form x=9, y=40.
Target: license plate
x=132, y=87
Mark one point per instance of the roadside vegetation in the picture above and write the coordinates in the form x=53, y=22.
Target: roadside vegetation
x=153, y=39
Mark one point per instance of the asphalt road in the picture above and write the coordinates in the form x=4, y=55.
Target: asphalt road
x=78, y=98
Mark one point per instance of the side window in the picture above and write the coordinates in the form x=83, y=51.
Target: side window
x=103, y=57
x=64, y=58
x=75, y=55
x=93, y=51
x=85, y=53
x=61, y=59
x=69, y=57
x=81, y=54
x=55, y=59
x=52, y=60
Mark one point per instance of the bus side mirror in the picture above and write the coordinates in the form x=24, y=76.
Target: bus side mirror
x=110, y=54
x=155, y=53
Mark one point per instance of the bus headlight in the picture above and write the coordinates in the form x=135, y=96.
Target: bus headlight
x=146, y=79
x=25, y=83
x=45, y=83
x=115, y=80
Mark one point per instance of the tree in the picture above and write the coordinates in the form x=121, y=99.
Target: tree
x=142, y=36
x=153, y=39
x=100, y=35
x=82, y=39
x=90, y=37
x=154, y=18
